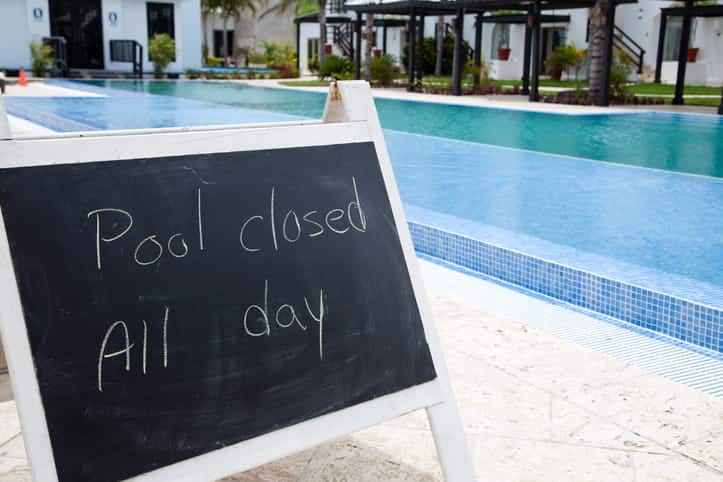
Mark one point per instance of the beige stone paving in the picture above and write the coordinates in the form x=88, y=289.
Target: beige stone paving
x=535, y=408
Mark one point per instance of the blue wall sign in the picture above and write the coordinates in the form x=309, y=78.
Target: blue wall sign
x=38, y=13
x=113, y=17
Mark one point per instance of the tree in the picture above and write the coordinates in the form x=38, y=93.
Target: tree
x=440, y=45
x=208, y=7
x=369, y=37
x=286, y=5
x=596, y=48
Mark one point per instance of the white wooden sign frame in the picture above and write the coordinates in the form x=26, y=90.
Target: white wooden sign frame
x=350, y=118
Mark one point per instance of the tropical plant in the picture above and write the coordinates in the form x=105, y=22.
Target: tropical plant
x=381, y=69
x=42, y=58
x=480, y=74
x=161, y=50
x=335, y=66
x=620, y=69
x=566, y=57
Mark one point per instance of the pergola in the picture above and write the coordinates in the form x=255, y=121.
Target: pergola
x=687, y=12
x=417, y=10
x=343, y=19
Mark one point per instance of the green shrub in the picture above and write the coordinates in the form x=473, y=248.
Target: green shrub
x=620, y=70
x=314, y=65
x=257, y=59
x=480, y=74
x=161, y=50
x=429, y=54
x=382, y=69
x=42, y=58
x=212, y=61
x=335, y=66
x=193, y=74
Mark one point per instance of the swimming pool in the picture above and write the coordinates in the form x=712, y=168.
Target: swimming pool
x=642, y=245
x=681, y=143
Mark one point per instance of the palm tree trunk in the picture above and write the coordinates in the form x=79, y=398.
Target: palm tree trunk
x=596, y=49
x=440, y=46
x=369, y=37
x=204, y=44
x=322, y=31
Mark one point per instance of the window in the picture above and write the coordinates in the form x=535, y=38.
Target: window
x=160, y=20
x=218, y=43
x=500, y=38
x=312, y=48
x=673, y=32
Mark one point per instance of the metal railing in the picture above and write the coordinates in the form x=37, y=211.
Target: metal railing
x=625, y=43
x=128, y=51
x=60, y=55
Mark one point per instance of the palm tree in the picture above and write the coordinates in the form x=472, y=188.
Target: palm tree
x=369, y=37
x=440, y=46
x=208, y=7
x=596, y=48
x=285, y=5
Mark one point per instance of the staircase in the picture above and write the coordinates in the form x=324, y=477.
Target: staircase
x=624, y=42
x=342, y=36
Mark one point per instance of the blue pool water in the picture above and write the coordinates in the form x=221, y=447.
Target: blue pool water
x=653, y=228
x=682, y=143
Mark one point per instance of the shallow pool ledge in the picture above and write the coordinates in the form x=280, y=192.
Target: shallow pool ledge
x=682, y=319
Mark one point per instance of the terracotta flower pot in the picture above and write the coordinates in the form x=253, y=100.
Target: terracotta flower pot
x=555, y=73
x=503, y=53
x=377, y=52
x=692, y=54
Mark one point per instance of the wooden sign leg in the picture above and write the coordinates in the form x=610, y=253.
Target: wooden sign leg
x=4, y=124
x=353, y=101
x=451, y=443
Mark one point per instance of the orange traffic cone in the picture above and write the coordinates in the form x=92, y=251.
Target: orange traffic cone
x=22, y=80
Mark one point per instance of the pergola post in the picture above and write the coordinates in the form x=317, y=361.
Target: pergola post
x=526, y=56
x=608, y=53
x=661, y=45
x=420, y=57
x=384, y=39
x=410, y=51
x=357, y=48
x=478, y=39
x=683, y=54
x=298, y=44
x=535, y=78
x=458, y=61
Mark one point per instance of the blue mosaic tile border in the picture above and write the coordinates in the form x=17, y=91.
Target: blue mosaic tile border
x=681, y=319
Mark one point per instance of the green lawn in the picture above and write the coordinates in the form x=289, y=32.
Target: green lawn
x=667, y=89
x=304, y=83
x=705, y=101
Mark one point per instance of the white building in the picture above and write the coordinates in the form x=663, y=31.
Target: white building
x=247, y=33
x=640, y=22
x=89, y=26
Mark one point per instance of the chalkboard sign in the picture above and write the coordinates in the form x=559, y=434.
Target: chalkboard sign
x=194, y=300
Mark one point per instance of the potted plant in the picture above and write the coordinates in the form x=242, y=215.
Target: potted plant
x=692, y=54
x=42, y=58
x=561, y=59
x=503, y=53
x=161, y=50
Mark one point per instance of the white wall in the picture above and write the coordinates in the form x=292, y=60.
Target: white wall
x=132, y=24
x=18, y=28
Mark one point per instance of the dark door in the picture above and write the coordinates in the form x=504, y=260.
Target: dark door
x=79, y=21
x=218, y=43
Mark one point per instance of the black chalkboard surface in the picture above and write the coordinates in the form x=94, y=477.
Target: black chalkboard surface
x=178, y=305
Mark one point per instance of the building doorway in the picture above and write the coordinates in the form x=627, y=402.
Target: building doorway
x=218, y=43
x=80, y=23
x=552, y=38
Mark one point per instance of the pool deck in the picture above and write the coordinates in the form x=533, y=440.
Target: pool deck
x=534, y=407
